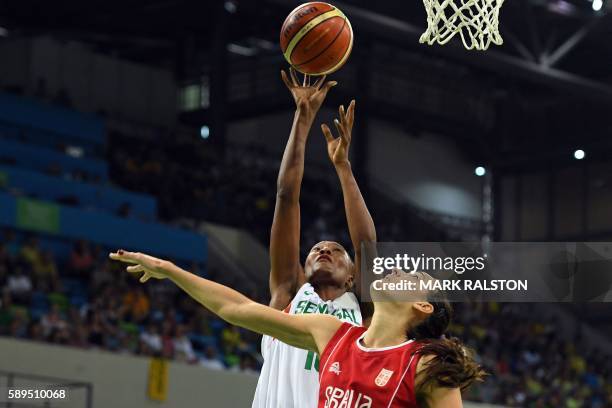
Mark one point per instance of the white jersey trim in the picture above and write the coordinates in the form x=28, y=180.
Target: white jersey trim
x=400, y=381
x=372, y=349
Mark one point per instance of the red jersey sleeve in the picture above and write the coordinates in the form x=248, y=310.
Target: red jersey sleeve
x=336, y=340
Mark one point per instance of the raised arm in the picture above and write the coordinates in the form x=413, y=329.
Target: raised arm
x=286, y=272
x=310, y=332
x=360, y=223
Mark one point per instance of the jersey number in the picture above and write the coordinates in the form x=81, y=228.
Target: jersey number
x=310, y=359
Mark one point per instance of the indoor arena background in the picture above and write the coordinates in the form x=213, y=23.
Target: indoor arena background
x=159, y=126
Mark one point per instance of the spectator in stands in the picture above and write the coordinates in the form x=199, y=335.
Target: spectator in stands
x=52, y=321
x=19, y=324
x=232, y=339
x=167, y=339
x=80, y=336
x=211, y=359
x=45, y=273
x=137, y=304
x=247, y=365
x=35, y=332
x=5, y=265
x=81, y=259
x=150, y=340
x=7, y=311
x=96, y=330
x=10, y=242
x=30, y=253
x=129, y=343
x=19, y=285
x=101, y=276
x=182, y=345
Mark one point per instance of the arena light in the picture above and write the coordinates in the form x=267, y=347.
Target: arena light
x=204, y=132
x=562, y=7
x=597, y=5
x=241, y=50
x=579, y=154
x=230, y=7
x=480, y=171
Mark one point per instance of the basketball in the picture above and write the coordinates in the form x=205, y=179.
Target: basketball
x=316, y=38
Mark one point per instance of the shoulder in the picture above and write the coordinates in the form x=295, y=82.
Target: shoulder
x=285, y=295
x=343, y=332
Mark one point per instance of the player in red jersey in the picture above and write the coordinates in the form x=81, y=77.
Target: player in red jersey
x=400, y=360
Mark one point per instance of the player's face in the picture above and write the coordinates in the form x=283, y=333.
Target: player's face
x=407, y=308
x=329, y=262
x=401, y=297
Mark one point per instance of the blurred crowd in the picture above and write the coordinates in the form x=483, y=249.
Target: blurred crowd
x=530, y=362
x=88, y=302
x=238, y=188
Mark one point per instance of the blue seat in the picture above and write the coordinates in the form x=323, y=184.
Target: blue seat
x=74, y=286
x=78, y=300
x=40, y=159
x=39, y=300
x=37, y=313
x=100, y=197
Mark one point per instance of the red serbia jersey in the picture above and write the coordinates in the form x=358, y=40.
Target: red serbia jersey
x=353, y=376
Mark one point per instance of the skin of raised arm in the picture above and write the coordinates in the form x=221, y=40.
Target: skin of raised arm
x=434, y=396
x=443, y=398
x=311, y=332
x=360, y=223
x=286, y=272
x=285, y=268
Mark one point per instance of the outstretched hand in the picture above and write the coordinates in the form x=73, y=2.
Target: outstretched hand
x=338, y=148
x=150, y=267
x=308, y=97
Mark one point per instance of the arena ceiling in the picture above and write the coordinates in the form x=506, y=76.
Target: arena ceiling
x=534, y=30
x=551, y=79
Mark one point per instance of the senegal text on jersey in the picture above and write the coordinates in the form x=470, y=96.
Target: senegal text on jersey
x=307, y=307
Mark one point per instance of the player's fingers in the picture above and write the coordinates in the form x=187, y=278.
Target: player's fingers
x=344, y=140
x=294, y=77
x=124, y=256
x=328, y=85
x=342, y=116
x=338, y=127
x=350, y=118
x=286, y=79
x=327, y=133
x=320, y=82
x=351, y=111
x=145, y=277
x=135, y=268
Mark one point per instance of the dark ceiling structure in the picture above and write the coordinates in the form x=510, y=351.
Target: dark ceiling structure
x=550, y=84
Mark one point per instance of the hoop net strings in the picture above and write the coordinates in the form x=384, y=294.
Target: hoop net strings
x=477, y=22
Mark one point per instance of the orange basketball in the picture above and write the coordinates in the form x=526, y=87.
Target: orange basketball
x=316, y=38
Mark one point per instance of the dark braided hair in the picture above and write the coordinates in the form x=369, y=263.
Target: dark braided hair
x=453, y=364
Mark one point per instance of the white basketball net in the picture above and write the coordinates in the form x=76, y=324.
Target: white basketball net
x=477, y=21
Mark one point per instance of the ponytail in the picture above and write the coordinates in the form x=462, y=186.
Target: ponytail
x=452, y=365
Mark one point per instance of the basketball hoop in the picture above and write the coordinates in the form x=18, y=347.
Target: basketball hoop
x=477, y=21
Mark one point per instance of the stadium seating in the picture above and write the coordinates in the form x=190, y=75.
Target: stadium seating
x=101, y=197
